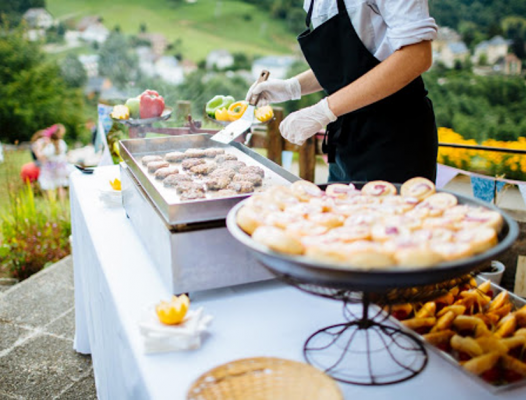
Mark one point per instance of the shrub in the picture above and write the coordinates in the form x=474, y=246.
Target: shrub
x=35, y=233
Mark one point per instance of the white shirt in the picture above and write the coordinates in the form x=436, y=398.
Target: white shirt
x=384, y=26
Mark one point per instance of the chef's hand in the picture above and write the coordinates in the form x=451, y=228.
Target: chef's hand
x=275, y=91
x=302, y=124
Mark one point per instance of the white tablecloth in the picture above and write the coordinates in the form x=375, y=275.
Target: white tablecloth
x=115, y=280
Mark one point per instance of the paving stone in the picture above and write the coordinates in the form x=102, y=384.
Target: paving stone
x=64, y=326
x=9, y=334
x=42, y=368
x=41, y=298
x=84, y=389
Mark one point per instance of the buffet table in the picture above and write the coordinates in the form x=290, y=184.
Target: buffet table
x=115, y=280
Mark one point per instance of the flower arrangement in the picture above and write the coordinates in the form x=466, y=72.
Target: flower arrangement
x=508, y=165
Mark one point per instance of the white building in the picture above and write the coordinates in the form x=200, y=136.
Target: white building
x=494, y=49
x=221, y=59
x=278, y=66
x=38, y=18
x=451, y=52
x=169, y=70
x=95, y=33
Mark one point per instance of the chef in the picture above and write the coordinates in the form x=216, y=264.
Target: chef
x=368, y=56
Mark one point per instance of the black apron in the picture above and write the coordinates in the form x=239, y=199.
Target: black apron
x=393, y=139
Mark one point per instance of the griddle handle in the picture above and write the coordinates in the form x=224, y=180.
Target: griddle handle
x=262, y=78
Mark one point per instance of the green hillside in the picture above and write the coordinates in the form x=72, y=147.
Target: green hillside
x=202, y=26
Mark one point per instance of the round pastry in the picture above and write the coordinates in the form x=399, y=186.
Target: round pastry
x=418, y=188
x=153, y=166
x=241, y=186
x=364, y=254
x=347, y=234
x=221, y=171
x=367, y=218
x=192, y=162
x=282, y=219
x=277, y=240
x=189, y=187
x=252, y=169
x=175, y=156
x=303, y=209
x=193, y=195
x=482, y=217
x=451, y=251
x=305, y=190
x=254, y=178
x=330, y=220
x=400, y=204
x=282, y=196
x=217, y=183
x=416, y=256
x=148, y=159
x=480, y=239
x=305, y=228
x=438, y=203
x=175, y=179
x=195, y=153
x=162, y=173
x=439, y=222
x=235, y=165
x=318, y=240
x=458, y=211
x=249, y=219
x=420, y=213
x=329, y=253
x=325, y=202
x=203, y=169
x=213, y=152
x=220, y=159
x=382, y=232
x=379, y=189
x=431, y=235
x=340, y=190
x=348, y=210
x=404, y=221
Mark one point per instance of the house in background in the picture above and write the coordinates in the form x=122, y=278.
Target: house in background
x=95, y=33
x=278, y=66
x=448, y=47
x=508, y=65
x=220, y=59
x=492, y=50
x=90, y=62
x=168, y=69
x=158, y=41
x=38, y=18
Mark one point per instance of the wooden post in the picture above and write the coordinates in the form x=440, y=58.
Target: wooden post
x=183, y=109
x=275, y=140
x=307, y=159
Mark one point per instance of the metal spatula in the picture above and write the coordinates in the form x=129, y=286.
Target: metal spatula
x=243, y=124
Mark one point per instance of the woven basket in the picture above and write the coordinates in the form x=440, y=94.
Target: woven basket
x=264, y=378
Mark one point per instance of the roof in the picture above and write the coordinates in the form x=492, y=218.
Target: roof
x=458, y=47
x=34, y=12
x=87, y=21
x=275, y=61
x=447, y=34
x=494, y=41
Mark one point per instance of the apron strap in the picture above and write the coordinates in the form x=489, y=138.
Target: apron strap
x=308, y=19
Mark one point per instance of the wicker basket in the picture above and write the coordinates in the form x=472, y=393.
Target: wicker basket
x=264, y=378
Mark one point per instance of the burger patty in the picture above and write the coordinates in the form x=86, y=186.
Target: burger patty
x=148, y=159
x=213, y=152
x=221, y=171
x=175, y=156
x=252, y=169
x=192, y=162
x=176, y=179
x=195, y=153
x=192, y=195
x=235, y=165
x=162, y=173
x=189, y=187
x=155, y=165
x=217, y=183
x=241, y=186
x=203, y=169
x=225, y=157
x=255, y=179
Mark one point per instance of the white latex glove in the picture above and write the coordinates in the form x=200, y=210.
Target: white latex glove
x=275, y=91
x=302, y=124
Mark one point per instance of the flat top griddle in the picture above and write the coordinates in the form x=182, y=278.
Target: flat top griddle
x=171, y=207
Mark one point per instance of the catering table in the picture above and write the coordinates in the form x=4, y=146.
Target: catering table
x=115, y=280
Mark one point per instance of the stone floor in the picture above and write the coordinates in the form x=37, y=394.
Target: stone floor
x=37, y=324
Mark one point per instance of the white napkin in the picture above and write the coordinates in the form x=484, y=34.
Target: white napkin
x=158, y=337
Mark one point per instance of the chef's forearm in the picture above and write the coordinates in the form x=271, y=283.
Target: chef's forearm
x=308, y=82
x=388, y=77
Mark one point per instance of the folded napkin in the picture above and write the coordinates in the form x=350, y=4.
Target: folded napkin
x=158, y=337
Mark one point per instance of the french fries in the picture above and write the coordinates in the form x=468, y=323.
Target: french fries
x=482, y=332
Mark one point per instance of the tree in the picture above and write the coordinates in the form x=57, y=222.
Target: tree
x=73, y=71
x=33, y=94
x=117, y=60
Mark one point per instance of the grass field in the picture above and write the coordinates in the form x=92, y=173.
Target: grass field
x=202, y=26
x=10, y=173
